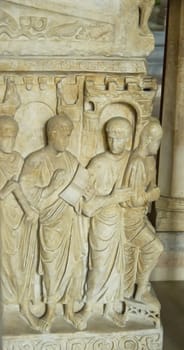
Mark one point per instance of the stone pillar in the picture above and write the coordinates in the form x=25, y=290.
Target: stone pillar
x=170, y=207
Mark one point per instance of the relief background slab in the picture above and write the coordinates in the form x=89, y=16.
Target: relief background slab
x=72, y=29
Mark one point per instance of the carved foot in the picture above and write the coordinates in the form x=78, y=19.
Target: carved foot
x=148, y=299
x=118, y=319
x=45, y=325
x=33, y=321
x=48, y=318
x=77, y=320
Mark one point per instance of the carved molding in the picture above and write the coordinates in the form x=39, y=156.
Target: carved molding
x=40, y=28
x=72, y=65
x=151, y=341
x=170, y=204
x=170, y=213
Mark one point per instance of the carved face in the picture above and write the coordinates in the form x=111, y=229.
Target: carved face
x=7, y=143
x=59, y=139
x=117, y=144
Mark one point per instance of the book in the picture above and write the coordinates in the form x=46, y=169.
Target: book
x=76, y=189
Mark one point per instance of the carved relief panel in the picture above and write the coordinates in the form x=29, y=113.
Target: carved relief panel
x=98, y=28
x=77, y=167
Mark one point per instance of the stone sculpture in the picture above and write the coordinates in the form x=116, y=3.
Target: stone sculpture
x=47, y=184
x=141, y=178
x=77, y=247
x=45, y=176
x=100, y=210
x=106, y=232
x=17, y=217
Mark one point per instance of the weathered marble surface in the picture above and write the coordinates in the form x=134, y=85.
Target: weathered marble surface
x=75, y=28
x=64, y=337
x=77, y=174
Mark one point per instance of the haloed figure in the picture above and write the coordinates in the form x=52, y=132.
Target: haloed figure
x=106, y=234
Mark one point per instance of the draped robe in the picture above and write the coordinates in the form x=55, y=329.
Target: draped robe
x=106, y=234
x=58, y=233
x=140, y=234
x=11, y=216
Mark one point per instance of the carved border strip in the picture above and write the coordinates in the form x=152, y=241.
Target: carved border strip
x=72, y=65
x=150, y=341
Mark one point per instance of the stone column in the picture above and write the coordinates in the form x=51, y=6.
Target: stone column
x=170, y=207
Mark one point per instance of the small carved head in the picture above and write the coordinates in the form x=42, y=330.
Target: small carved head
x=119, y=133
x=8, y=132
x=59, y=129
x=150, y=137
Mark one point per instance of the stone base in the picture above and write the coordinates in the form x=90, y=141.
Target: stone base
x=101, y=335
x=170, y=266
x=170, y=213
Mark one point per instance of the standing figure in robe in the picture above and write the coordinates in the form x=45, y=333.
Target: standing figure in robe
x=141, y=178
x=16, y=215
x=106, y=234
x=47, y=173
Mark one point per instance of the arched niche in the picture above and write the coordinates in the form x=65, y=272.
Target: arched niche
x=31, y=119
x=120, y=109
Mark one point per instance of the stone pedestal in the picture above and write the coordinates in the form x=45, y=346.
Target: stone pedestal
x=101, y=334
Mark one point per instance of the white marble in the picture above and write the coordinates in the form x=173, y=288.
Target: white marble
x=78, y=146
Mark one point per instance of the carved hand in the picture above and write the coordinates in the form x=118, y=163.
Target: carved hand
x=121, y=195
x=32, y=215
x=10, y=186
x=153, y=195
x=58, y=179
x=139, y=199
x=90, y=189
x=56, y=184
